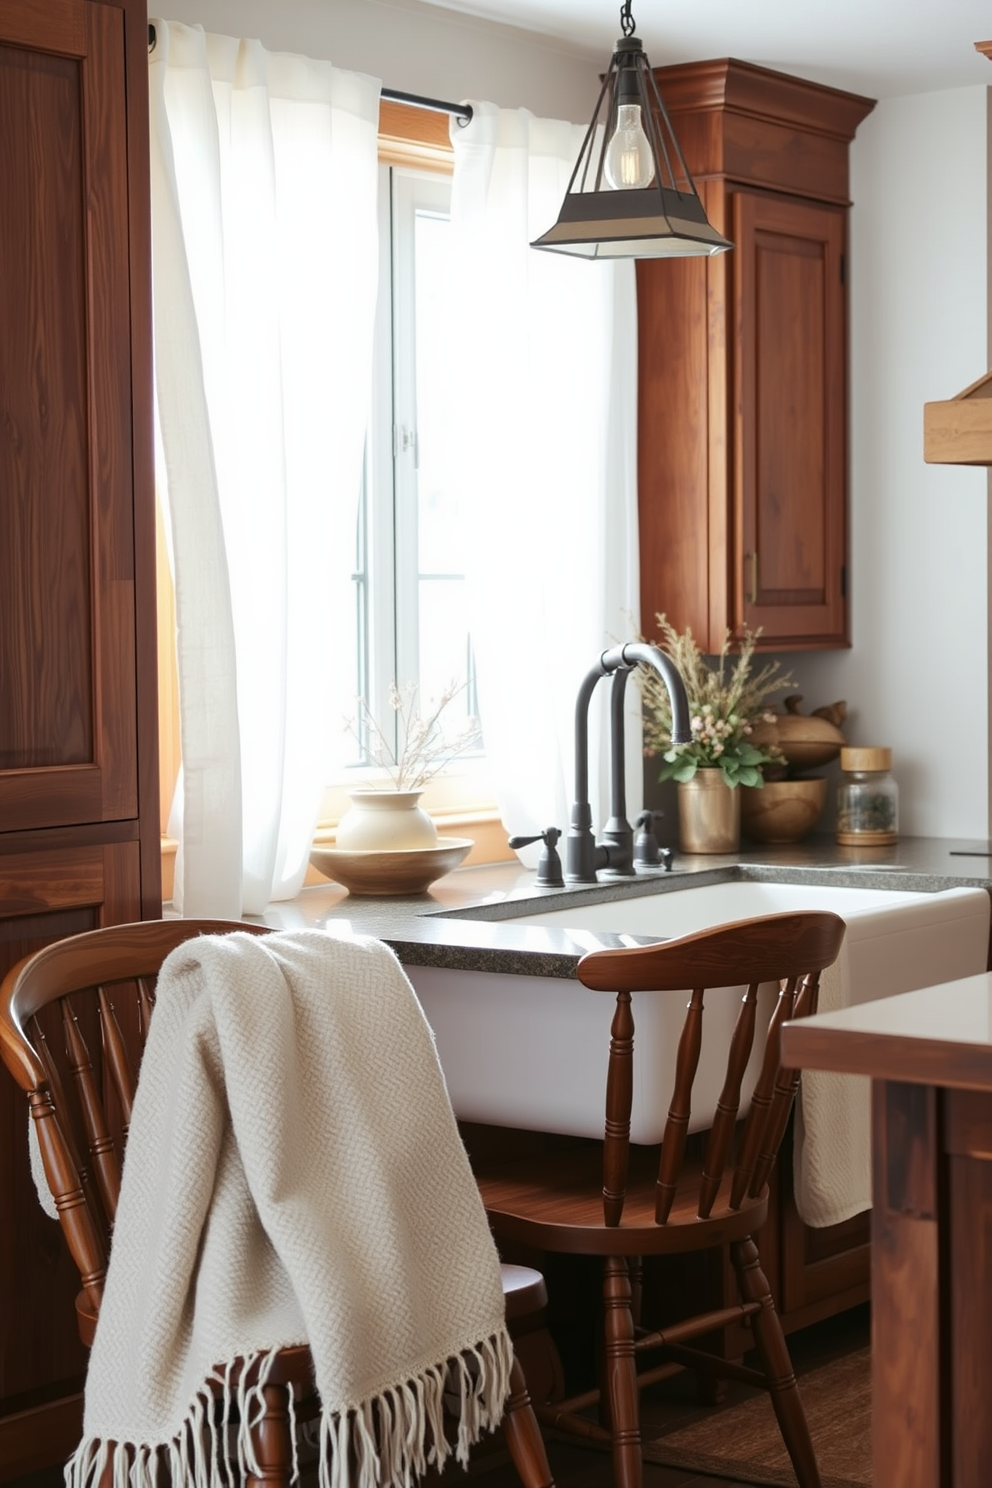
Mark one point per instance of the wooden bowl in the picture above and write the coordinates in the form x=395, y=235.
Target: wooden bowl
x=806, y=740
x=782, y=810
x=404, y=871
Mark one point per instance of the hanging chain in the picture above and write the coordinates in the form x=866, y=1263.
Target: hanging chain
x=627, y=25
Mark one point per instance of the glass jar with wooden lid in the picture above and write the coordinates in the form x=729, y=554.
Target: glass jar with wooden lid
x=867, y=798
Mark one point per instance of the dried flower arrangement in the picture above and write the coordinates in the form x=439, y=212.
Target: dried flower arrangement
x=423, y=747
x=726, y=701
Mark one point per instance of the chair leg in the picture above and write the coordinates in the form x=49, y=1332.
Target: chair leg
x=774, y=1354
x=272, y=1442
x=620, y=1374
x=635, y=1266
x=523, y=1435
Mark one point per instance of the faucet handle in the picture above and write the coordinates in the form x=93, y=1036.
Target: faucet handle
x=646, y=849
x=549, y=874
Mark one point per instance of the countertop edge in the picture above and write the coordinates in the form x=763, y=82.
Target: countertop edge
x=460, y=923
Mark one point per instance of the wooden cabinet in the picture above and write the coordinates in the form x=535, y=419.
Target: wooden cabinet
x=930, y=1061
x=742, y=463
x=79, y=840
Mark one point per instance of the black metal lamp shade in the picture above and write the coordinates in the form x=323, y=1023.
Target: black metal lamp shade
x=662, y=218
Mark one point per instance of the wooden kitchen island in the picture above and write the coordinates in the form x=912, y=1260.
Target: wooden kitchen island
x=929, y=1056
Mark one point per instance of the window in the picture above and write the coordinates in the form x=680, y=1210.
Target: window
x=393, y=561
x=411, y=619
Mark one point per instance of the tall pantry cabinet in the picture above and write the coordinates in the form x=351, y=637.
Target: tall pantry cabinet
x=79, y=833
x=742, y=402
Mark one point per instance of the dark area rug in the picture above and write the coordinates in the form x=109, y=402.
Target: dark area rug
x=741, y=1439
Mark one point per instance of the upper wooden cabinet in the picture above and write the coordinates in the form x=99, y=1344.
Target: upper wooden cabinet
x=742, y=464
x=79, y=821
x=68, y=712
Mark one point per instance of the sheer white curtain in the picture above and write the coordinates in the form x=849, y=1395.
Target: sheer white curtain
x=544, y=411
x=264, y=237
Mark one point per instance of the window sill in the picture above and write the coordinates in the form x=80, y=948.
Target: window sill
x=484, y=827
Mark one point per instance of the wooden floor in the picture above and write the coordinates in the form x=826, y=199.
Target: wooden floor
x=585, y=1466
x=573, y=1467
x=581, y=1467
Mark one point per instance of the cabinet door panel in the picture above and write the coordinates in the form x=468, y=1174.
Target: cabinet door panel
x=44, y=895
x=67, y=672
x=789, y=370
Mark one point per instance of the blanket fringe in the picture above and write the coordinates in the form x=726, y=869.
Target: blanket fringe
x=385, y=1442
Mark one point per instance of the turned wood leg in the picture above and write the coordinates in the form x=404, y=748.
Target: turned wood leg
x=770, y=1342
x=635, y=1267
x=272, y=1442
x=620, y=1374
x=523, y=1435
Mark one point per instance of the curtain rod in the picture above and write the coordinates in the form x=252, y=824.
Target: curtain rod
x=461, y=111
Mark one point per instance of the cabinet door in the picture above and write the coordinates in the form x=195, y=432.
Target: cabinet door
x=790, y=454
x=67, y=626
x=55, y=884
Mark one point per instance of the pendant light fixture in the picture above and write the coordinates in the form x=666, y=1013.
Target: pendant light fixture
x=631, y=194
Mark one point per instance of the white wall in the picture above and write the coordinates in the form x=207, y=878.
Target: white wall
x=415, y=49
x=916, y=677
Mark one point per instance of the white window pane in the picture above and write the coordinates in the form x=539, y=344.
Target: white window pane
x=444, y=654
x=438, y=354
x=409, y=621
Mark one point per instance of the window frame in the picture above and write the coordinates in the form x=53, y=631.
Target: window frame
x=408, y=137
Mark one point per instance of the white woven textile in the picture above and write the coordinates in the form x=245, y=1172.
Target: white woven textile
x=832, y=1147
x=293, y=1175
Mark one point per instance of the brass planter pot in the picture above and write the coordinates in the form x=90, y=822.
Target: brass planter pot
x=709, y=814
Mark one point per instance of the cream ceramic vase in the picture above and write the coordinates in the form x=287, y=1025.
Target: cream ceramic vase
x=709, y=814
x=385, y=821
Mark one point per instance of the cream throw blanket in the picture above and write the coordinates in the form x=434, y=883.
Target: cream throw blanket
x=293, y=1175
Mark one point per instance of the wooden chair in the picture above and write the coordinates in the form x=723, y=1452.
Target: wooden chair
x=621, y=1202
x=73, y=1021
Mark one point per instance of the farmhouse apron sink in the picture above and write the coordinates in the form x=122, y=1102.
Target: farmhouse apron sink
x=530, y=1051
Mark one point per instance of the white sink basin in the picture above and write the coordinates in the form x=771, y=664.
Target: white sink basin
x=529, y=1051
x=663, y=916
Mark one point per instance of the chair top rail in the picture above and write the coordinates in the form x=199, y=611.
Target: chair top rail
x=93, y=958
x=763, y=949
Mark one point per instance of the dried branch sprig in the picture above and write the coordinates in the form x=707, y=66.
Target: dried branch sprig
x=726, y=700
x=423, y=748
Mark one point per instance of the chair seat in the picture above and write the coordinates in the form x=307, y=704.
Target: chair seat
x=556, y=1204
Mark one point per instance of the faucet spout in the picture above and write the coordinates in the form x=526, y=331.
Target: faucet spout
x=643, y=652
x=584, y=856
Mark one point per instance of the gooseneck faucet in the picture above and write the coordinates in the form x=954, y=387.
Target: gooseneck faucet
x=615, y=852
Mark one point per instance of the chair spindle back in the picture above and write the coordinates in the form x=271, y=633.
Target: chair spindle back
x=788, y=949
x=74, y=1018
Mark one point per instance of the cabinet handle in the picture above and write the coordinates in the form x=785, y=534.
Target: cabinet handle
x=754, y=577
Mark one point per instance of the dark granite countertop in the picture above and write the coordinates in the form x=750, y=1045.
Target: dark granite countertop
x=459, y=923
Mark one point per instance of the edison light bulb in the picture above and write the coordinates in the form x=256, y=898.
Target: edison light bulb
x=629, y=163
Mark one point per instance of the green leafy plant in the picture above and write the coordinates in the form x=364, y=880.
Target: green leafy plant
x=726, y=700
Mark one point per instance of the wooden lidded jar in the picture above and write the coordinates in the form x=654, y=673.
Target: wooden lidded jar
x=867, y=799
